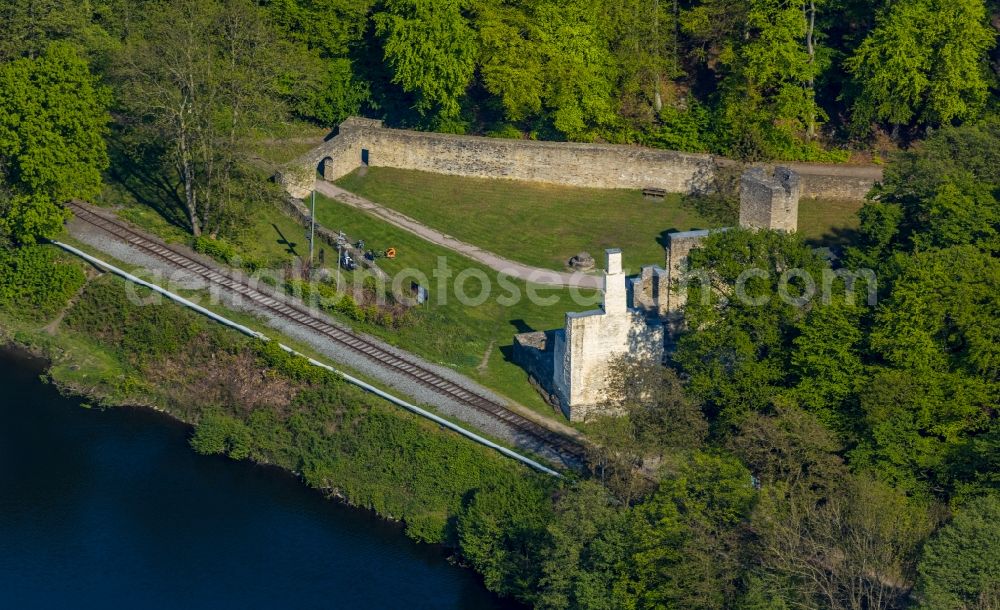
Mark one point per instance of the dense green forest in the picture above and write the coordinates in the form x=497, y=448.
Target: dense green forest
x=834, y=454
x=189, y=89
x=870, y=428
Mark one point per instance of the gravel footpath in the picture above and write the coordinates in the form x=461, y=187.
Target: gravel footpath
x=534, y=275
x=158, y=270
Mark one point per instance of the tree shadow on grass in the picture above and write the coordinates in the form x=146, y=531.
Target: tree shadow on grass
x=837, y=239
x=140, y=171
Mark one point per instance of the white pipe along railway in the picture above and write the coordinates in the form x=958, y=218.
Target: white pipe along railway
x=346, y=377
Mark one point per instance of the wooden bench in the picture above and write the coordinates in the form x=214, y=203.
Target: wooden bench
x=654, y=193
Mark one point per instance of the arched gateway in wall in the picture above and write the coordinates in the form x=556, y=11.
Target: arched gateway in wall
x=362, y=142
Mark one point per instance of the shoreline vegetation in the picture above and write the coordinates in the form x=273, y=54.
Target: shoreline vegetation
x=40, y=360
x=251, y=400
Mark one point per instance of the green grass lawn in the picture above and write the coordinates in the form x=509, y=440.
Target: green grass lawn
x=270, y=237
x=536, y=224
x=273, y=237
x=544, y=225
x=829, y=223
x=474, y=340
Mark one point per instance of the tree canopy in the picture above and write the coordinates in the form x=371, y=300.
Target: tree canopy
x=430, y=49
x=958, y=568
x=53, y=119
x=924, y=61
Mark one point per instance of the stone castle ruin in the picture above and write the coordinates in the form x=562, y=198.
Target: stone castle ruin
x=586, y=347
x=367, y=142
x=770, y=201
x=571, y=366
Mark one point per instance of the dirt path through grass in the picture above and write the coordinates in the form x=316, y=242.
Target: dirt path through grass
x=496, y=262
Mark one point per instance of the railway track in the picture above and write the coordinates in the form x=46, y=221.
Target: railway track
x=571, y=451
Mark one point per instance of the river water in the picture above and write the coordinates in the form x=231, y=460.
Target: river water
x=113, y=508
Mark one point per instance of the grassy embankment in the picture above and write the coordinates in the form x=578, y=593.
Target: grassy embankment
x=247, y=399
x=205, y=298
x=544, y=225
x=475, y=340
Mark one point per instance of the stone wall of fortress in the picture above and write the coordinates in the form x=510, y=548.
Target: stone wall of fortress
x=362, y=141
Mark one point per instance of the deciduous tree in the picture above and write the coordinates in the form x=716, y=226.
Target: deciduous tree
x=29, y=26
x=53, y=118
x=769, y=99
x=552, y=58
x=737, y=347
x=924, y=62
x=959, y=568
x=431, y=49
x=686, y=535
x=198, y=80
x=943, y=194
x=854, y=549
x=500, y=532
x=827, y=361
x=585, y=552
x=653, y=416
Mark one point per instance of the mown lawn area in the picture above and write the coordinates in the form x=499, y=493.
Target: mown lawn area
x=274, y=238
x=829, y=223
x=536, y=224
x=474, y=339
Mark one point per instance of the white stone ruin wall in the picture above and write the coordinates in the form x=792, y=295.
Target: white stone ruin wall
x=592, y=340
x=679, y=246
x=651, y=290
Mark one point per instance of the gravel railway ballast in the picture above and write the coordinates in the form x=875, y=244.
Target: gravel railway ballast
x=572, y=452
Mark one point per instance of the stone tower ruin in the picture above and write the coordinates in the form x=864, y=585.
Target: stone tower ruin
x=586, y=348
x=770, y=200
x=572, y=365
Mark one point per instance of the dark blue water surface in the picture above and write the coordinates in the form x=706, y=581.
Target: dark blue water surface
x=112, y=508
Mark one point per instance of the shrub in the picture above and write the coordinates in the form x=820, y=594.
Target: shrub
x=350, y=308
x=290, y=365
x=117, y=314
x=216, y=248
x=505, y=131
x=34, y=283
x=682, y=129
x=217, y=433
